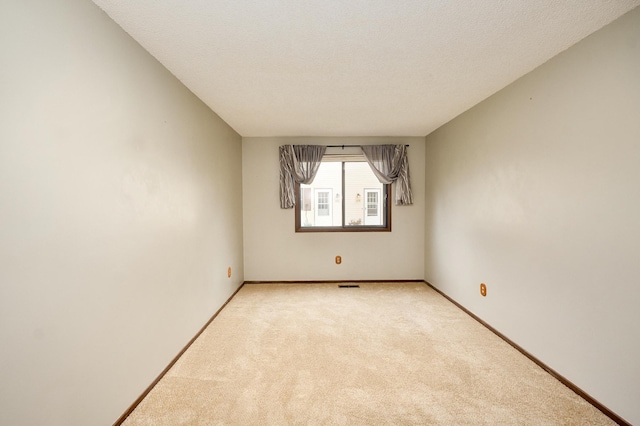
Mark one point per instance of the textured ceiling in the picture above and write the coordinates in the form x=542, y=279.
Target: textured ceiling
x=353, y=67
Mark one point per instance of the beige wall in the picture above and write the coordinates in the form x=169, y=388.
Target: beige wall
x=121, y=208
x=273, y=251
x=120, y=211
x=536, y=192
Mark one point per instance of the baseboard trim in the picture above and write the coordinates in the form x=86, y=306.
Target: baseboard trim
x=613, y=416
x=607, y=412
x=334, y=281
x=133, y=406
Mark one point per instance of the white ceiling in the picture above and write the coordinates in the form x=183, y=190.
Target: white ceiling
x=353, y=67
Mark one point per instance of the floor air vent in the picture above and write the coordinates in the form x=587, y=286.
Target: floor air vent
x=348, y=286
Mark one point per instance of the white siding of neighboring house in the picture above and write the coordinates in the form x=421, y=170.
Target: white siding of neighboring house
x=354, y=209
x=360, y=181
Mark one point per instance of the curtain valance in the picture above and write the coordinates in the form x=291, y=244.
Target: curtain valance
x=390, y=164
x=300, y=163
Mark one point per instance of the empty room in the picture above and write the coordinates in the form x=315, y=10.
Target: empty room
x=327, y=212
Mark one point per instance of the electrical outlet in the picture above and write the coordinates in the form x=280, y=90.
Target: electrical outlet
x=338, y=260
x=483, y=289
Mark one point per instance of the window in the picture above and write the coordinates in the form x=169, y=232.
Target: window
x=345, y=196
x=373, y=202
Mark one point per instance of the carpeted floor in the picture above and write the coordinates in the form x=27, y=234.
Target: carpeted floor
x=317, y=354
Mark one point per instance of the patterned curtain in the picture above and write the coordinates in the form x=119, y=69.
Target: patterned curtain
x=390, y=164
x=298, y=164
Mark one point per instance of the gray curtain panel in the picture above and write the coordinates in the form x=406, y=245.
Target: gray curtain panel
x=390, y=164
x=298, y=164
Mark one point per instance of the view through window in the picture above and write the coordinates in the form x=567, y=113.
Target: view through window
x=344, y=196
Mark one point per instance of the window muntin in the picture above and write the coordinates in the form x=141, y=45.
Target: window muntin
x=344, y=196
x=372, y=204
x=322, y=202
x=373, y=207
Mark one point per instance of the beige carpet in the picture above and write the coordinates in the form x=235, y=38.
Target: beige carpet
x=316, y=354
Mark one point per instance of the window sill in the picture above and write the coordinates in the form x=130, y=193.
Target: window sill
x=343, y=229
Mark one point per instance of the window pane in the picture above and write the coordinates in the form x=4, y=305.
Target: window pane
x=363, y=195
x=321, y=200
